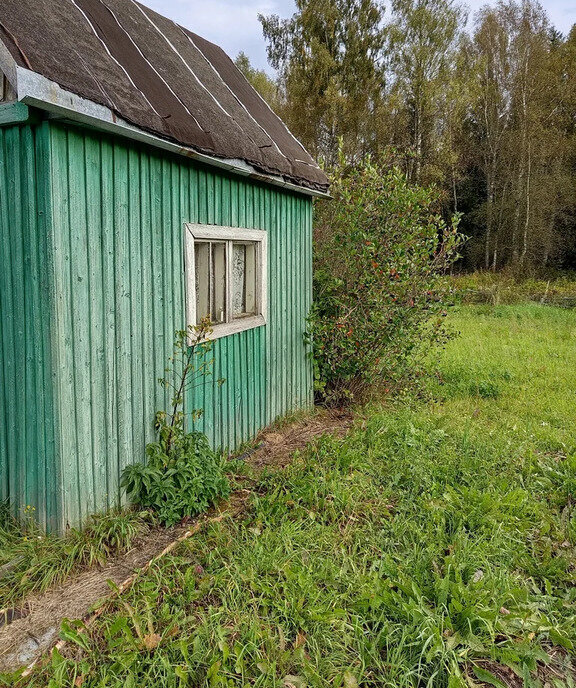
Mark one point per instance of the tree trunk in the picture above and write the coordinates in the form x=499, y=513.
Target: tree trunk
x=527, y=208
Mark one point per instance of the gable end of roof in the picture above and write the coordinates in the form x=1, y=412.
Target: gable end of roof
x=116, y=62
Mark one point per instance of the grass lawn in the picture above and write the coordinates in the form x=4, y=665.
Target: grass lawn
x=435, y=545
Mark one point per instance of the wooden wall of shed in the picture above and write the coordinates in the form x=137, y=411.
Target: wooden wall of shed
x=118, y=216
x=29, y=471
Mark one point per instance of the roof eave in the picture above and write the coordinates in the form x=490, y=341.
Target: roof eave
x=38, y=91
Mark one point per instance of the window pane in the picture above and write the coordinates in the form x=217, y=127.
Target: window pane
x=238, y=280
x=243, y=280
x=226, y=280
x=218, y=282
x=251, y=279
x=202, y=259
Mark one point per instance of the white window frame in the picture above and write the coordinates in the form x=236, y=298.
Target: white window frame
x=197, y=232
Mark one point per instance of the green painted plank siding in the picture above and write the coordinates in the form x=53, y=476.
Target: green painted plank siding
x=118, y=213
x=29, y=469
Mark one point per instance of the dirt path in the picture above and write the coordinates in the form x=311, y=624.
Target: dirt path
x=24, y=639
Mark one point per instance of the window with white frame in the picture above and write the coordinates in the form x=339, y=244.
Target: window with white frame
x=226, y=277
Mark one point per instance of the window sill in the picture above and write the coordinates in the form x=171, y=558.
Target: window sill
x=226, y=329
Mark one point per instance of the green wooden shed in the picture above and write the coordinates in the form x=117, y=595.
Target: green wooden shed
x=143, y=184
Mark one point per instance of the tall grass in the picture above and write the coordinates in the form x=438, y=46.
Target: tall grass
x=432, y=545
x=32, y=561
x=496, y=288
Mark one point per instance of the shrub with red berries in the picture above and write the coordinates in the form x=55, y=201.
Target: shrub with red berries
x=380, y=250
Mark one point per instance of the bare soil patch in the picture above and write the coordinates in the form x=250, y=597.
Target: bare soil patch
x=278, y=443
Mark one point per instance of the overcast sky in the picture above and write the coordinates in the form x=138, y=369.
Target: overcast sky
x=234, y=26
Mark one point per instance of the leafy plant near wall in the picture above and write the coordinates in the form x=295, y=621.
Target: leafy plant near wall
x=183, y=476
x=380, y=249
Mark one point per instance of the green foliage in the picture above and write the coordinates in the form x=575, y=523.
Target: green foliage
x=183, y=476
x=484, y=109
x=329, y=59
x=379, y=300
x=432, y=546
x=423, y=40
x=181, y=480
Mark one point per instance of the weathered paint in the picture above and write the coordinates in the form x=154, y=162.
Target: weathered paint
x=29, y=469
x=116, y=298
x=16, y=113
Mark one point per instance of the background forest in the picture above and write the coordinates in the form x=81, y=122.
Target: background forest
x=483, y=108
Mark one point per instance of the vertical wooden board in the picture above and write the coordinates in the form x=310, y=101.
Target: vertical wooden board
x=33, y=447
x=308, y=262
x=108, y=296
x=211, y=202
x=302, y=298
x=6, y=327
x=305, y=238
x=160, y=346
x=145, y=340
x=204, y=399
x=225, y=216
x=167, y=268
x=7, y=331
x=297, y=315
x=292, y=309
x=252, y=392
x=270, y=404
x=239, y=346
x=255, y=420
x=202, y=196
x=80, y=288
x=227, y=399
x=96, y=322
x=4, y=464
x=49, y=502
x=279, y=324
x=16, y=205
x=291, y=342
x=133, y=251
x=123, y=286
x=64, y=340
x=177, y=237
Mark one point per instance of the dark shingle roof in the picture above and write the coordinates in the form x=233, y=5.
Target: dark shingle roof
x=156, y=75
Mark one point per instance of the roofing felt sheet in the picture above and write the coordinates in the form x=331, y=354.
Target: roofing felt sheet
x=157, y=76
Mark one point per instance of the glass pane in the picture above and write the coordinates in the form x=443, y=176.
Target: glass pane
x=251, y=279
x=218, y=282
x=238, y=280
x=202, y=277
x=243, y=280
